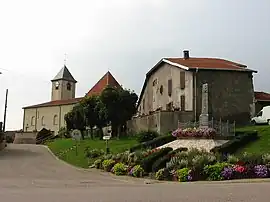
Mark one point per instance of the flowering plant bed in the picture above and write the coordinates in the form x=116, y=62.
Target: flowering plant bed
x=195, y=133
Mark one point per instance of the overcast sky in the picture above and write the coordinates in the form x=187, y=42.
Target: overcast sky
x=126, y=37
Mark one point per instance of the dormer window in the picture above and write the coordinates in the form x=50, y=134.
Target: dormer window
x=57, y=84
x=68, y=86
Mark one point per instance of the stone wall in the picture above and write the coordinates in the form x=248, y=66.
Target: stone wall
x=160, y=121
x=25, y=138
x=231, y=94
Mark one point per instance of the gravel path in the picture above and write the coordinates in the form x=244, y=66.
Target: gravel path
x=30, y=173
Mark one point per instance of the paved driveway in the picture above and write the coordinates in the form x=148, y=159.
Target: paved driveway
x=31, y=173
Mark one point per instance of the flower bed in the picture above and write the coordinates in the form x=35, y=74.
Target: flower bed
x=195, y=132
x=185, y=166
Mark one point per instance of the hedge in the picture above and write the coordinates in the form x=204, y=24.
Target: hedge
x=159, y=141
x=149, y=160
x=241, y=139
x=161, y=162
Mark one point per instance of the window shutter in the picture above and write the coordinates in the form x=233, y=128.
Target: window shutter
x=182, y=80
x=183, y=103
x=170, y=87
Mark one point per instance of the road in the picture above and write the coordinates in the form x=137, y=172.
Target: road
x=31, y=173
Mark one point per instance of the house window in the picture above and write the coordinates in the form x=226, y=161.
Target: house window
x=155, y=82
x=182, y=80
x=42, y=121
x=32, y=121
x=183, y=100
x=161, y=89
x=170, y=87
x=55, y=120
x=68, y=86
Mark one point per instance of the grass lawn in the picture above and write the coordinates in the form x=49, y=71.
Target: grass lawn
x=262, y=145
x=79, y=160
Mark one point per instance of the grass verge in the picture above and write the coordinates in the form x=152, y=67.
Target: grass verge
x=262, y=145
x=59, y=145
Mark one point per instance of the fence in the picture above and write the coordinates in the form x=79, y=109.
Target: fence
x=222, y=128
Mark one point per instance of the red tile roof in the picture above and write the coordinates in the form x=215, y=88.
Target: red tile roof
x=208, y=63
x=107, y=79
x=56, y=103
x=262, y=96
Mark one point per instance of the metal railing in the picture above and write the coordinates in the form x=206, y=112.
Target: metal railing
x=222, y=128
x=43, y=140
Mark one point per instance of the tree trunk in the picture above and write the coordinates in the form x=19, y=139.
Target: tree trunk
x=91, y=133
x=100, y=132
x=118, y=132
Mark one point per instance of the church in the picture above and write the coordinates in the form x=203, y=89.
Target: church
x=50, y=115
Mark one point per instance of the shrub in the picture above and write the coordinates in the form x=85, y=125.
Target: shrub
x=98, y=163
x=145, y=136
x=93, y=153
x=213, y=172
x=251, y=158
x=64, y=133
x=120, y=169
x=199, y=161
x=232, y=159
x=160, y=174
x=184, y=175
x=266, y=159
x=136, y=171
x=159, y=141
x=148, y=161
x=108, y=164
x=161, y=163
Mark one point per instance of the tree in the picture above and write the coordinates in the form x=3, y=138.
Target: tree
x=75, y=119
x=91, y=114
x=120, y=105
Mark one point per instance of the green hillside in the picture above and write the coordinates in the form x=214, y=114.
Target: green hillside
x=262, y=145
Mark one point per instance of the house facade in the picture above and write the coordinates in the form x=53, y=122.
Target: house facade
x=50, y=115
x=262, y=99
x=175, y=85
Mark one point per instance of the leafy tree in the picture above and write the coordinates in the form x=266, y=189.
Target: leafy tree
x=91, y=115
x=120, y=105
x=75, y=119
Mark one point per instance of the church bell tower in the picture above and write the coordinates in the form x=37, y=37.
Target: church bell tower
x=63, y=85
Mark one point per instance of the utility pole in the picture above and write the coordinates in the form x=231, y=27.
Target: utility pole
x=5, y=112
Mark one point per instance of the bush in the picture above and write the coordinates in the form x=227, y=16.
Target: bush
x=183, y=175
x=93, y=153
x=160, y=174
x=98, y=163
x=213, y=172
x=232, y=159
x=159, y=141
x=64, y=133
x=145, y=136
x=120, y=169
x=251, y=159
x=136, y=171
x=108, y=164
x=10, y=138
x=148, y=161
x=238, y=142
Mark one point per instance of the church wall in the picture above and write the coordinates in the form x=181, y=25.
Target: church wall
x=46, y=117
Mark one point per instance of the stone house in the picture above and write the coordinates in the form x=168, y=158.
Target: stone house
x=262, y=99
x=172, y=92
x=50, y=115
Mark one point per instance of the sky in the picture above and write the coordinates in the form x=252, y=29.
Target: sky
x=126, y=37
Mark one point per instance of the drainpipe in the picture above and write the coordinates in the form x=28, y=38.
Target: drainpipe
x=36, y=119
x=195, y=95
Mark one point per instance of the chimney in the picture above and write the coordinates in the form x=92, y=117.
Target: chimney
x=186, y=54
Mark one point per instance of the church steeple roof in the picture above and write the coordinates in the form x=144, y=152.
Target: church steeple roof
x=64, y=74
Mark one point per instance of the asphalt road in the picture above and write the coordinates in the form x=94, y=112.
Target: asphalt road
x=31, y=173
